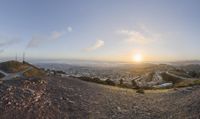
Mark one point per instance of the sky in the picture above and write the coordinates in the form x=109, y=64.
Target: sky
x=105, y=30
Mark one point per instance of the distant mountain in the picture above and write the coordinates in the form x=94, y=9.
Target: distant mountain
x=191, y=67
x=187, y=62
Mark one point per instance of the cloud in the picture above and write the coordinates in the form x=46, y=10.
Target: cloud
x=56, y=35
x=36, y=41
x=39, y=39
x=7, y=41
x=69, y=29
x=142, y=36
x=98, y=44
x=134, y=36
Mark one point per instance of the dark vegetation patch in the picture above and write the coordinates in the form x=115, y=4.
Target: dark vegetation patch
x=169, y=78
x=180, y=73
x=1, y=75
x=97, y=80
x=112, y=83
x=141, y=91
x=194, y=74
x=178, y=83
x=150, y=76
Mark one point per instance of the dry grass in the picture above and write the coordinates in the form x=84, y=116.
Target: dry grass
x=186, y=83
x=34, y=73
x=13, y=66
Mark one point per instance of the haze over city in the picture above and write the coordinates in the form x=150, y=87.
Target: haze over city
x=127, y=31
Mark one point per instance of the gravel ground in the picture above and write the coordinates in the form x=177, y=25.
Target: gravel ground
x=70, y=98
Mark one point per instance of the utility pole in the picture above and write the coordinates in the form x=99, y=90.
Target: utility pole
x=23, y=58
x=16, y=57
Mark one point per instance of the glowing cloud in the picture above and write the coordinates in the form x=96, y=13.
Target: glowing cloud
x=56, y=35
x=134, y=36
x=98, y=44
x=143, y=36
x=39, y=39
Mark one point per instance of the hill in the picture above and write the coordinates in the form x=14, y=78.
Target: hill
x=187, y=62
x=55, y=97
x=191, y=67
x=15, y=67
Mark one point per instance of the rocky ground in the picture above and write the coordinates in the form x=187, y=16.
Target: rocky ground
x=70, y=98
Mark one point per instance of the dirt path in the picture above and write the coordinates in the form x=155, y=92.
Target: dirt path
x=70, y=98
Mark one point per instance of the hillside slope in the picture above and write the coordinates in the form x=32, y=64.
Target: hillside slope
x=70, y=98
x=15, y=67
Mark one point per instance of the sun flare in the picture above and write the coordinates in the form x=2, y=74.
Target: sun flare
x=137, y=57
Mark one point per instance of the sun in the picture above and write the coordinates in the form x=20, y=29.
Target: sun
x=137, y=57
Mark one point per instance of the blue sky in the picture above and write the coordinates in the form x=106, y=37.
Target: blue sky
x=113, y=30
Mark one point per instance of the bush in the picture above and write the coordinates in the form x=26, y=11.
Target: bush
x=134, y=84
x=60, y=72
x=109, y=82
x=141, y=91
x=97, y=80
x=121, y=81
x=1, y=75
x=192, y=73
x=125, y=86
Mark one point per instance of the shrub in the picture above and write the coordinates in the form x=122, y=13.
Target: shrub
x=121, y=81
x=97, y=80
x=109, y=82
x=134, y=84
x=192, y=73
x=1, y=75
x=141, y=91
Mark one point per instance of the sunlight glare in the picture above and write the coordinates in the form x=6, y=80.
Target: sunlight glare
x=137, y=57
